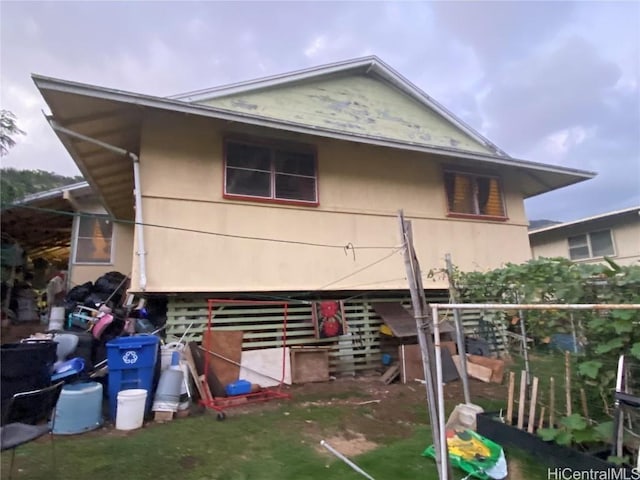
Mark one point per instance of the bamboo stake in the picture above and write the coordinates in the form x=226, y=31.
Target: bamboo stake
x=512, y=387
x=567, y=381
x=583, y=398
x=552, y=402
x=532, y=406
x=541, y=421
x=523, y=391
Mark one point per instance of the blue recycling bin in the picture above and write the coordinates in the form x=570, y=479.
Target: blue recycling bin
x=131, y=362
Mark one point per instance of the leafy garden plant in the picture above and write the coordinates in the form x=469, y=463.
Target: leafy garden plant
x=603, y=335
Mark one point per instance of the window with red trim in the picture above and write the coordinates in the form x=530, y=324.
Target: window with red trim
x=471, y=194
x=275, y=172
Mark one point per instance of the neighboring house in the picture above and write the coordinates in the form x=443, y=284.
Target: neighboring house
x=264, y=188
x=615, y=235
x=87, y=246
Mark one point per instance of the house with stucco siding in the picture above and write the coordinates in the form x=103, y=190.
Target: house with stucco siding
x=288, y=187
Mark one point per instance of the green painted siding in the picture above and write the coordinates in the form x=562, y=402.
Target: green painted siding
x=263, y=327
x=354, y=104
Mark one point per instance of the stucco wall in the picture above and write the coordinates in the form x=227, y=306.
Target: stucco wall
x=360, y=190
x=626, y=240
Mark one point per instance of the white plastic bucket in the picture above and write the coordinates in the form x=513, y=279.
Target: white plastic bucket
x=130, y=411
x=56, y=318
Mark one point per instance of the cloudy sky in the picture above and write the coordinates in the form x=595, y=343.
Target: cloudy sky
x=549, y=82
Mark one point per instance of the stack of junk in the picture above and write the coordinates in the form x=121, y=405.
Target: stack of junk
x=108, y=351
x=109, y=356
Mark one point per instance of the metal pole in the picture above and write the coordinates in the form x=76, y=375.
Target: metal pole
x=539, y=306
x=345, y=460
x=413, y=278
x=462, y=351
x=439, y=388
x=573, y=333
x=525, y=348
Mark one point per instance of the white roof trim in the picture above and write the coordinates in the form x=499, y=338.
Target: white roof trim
x=585, y=220
x=366, y=65
x=53, y=193
x=47, y=83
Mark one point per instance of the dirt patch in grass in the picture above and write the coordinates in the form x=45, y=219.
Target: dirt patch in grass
x=350, y=444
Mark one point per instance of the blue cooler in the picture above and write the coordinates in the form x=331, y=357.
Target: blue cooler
x=131, y=362
x=239, y=387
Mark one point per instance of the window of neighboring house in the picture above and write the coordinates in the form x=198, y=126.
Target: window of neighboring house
x=591, y=245
x=270, y=172
x=94, y=240
x=476, y=195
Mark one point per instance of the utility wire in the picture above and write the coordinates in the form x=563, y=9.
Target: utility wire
x=348, y=246
x=372, y=264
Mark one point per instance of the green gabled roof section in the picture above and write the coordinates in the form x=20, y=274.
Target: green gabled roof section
x=359, y=104
x=363, y=97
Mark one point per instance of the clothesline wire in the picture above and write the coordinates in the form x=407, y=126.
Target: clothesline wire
x=346, y=247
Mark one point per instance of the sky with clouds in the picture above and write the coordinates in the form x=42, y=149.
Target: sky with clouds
x=553, y=82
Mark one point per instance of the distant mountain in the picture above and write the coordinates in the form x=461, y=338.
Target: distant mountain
x=535, y=224
x=15, y=184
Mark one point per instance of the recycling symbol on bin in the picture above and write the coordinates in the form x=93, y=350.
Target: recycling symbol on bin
x=130, y=357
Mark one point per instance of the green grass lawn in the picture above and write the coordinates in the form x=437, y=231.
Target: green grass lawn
x=281, y=442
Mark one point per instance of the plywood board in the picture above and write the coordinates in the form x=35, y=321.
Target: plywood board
x=411, y=364
x=474, y=370
x=212, y=382
x=495, y=364
x=264, y=367
x=309, y=365
x=227, y=344
x=396, y=317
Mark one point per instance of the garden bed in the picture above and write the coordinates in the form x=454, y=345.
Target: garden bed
x=554, y=455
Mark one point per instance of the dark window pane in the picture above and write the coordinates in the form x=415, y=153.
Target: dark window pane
x=93, y=250
x=578, y=241
x=295, y=163
x=601, y=243
x=291, y=187
x=248, y=156
x=248, y=182
x=578, y=253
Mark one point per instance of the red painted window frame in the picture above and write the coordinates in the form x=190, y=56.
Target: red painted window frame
x=272, y=144
x=474, y=216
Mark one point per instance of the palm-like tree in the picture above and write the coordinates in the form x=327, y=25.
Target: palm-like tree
x=8, y=130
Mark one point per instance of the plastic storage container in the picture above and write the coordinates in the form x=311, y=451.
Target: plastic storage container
x=131, y=362
x=240, y=387
x=79, y=408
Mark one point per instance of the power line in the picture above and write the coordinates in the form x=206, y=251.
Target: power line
x=372, y=264
x=348, y=246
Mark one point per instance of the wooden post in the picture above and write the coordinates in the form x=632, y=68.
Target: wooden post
x=512, y=387
x=532, y=405
x=541, y=420
x=523, y=391
x=567, y=380
x=552, y=402
x=427, y=348
x=583, y=399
